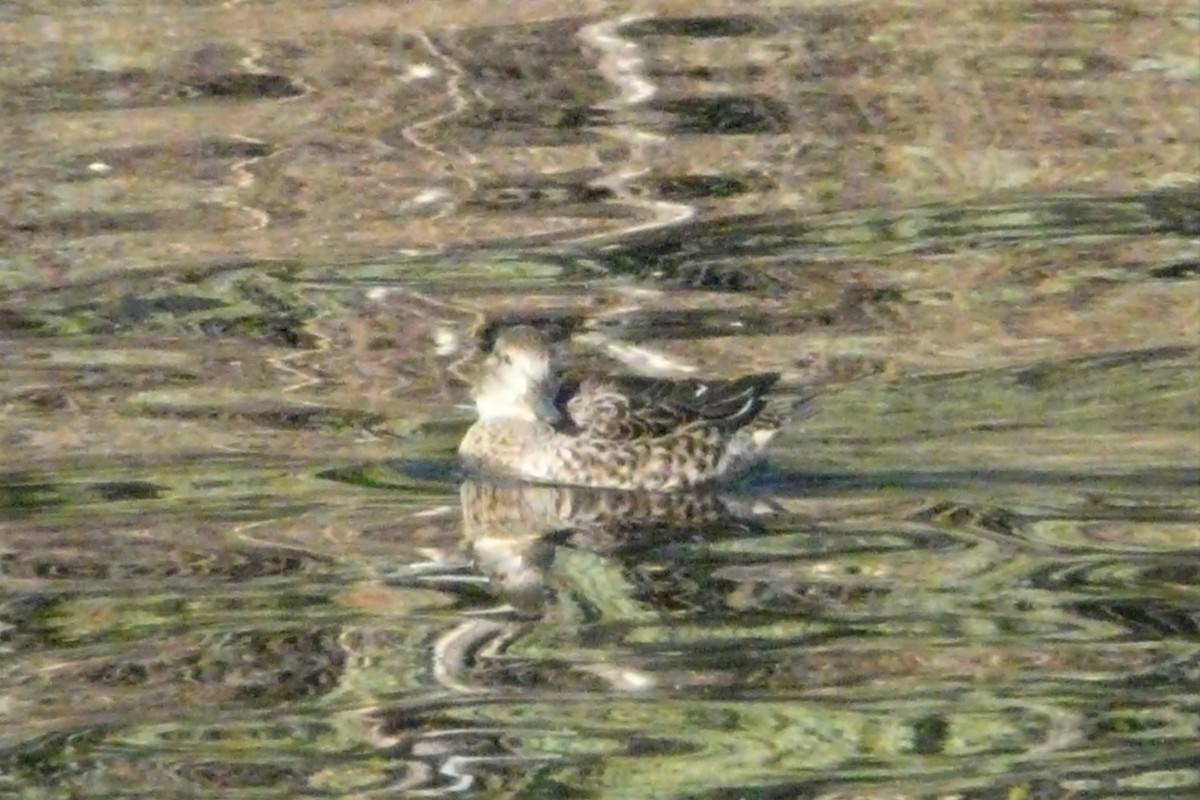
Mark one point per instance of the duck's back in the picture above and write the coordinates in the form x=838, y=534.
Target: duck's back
x=635, y=407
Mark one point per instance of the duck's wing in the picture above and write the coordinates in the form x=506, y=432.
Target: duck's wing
x=632, y=407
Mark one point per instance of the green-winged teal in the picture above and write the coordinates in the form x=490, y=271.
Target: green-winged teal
x=612, y=432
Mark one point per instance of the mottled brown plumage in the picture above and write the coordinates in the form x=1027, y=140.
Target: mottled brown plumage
x=615, y=432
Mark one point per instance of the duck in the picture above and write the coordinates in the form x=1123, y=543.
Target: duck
x=534, y=423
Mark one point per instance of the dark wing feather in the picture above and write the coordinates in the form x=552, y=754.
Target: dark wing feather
x=630, y=407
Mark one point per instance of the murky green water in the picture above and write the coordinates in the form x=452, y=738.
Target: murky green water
x=247, y=250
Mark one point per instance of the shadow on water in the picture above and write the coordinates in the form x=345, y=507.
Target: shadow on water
x=242, y=280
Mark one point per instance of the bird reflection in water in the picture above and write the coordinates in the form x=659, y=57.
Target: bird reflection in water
x=529, y=538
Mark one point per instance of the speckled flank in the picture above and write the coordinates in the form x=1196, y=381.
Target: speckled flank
x=652, y=435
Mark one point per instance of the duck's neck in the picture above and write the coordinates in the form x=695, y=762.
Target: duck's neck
x=537, y=409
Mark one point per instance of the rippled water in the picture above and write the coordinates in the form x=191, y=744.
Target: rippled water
x=246, y=253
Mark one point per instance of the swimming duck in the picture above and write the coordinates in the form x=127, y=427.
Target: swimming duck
x=616, y=432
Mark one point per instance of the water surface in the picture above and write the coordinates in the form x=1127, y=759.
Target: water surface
x=247, y=250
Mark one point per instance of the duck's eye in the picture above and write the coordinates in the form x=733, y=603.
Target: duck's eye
x=505, y=359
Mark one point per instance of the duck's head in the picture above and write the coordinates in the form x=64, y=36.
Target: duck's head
x=518, y=380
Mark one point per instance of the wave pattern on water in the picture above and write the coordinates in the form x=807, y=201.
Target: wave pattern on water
x=245, y=266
